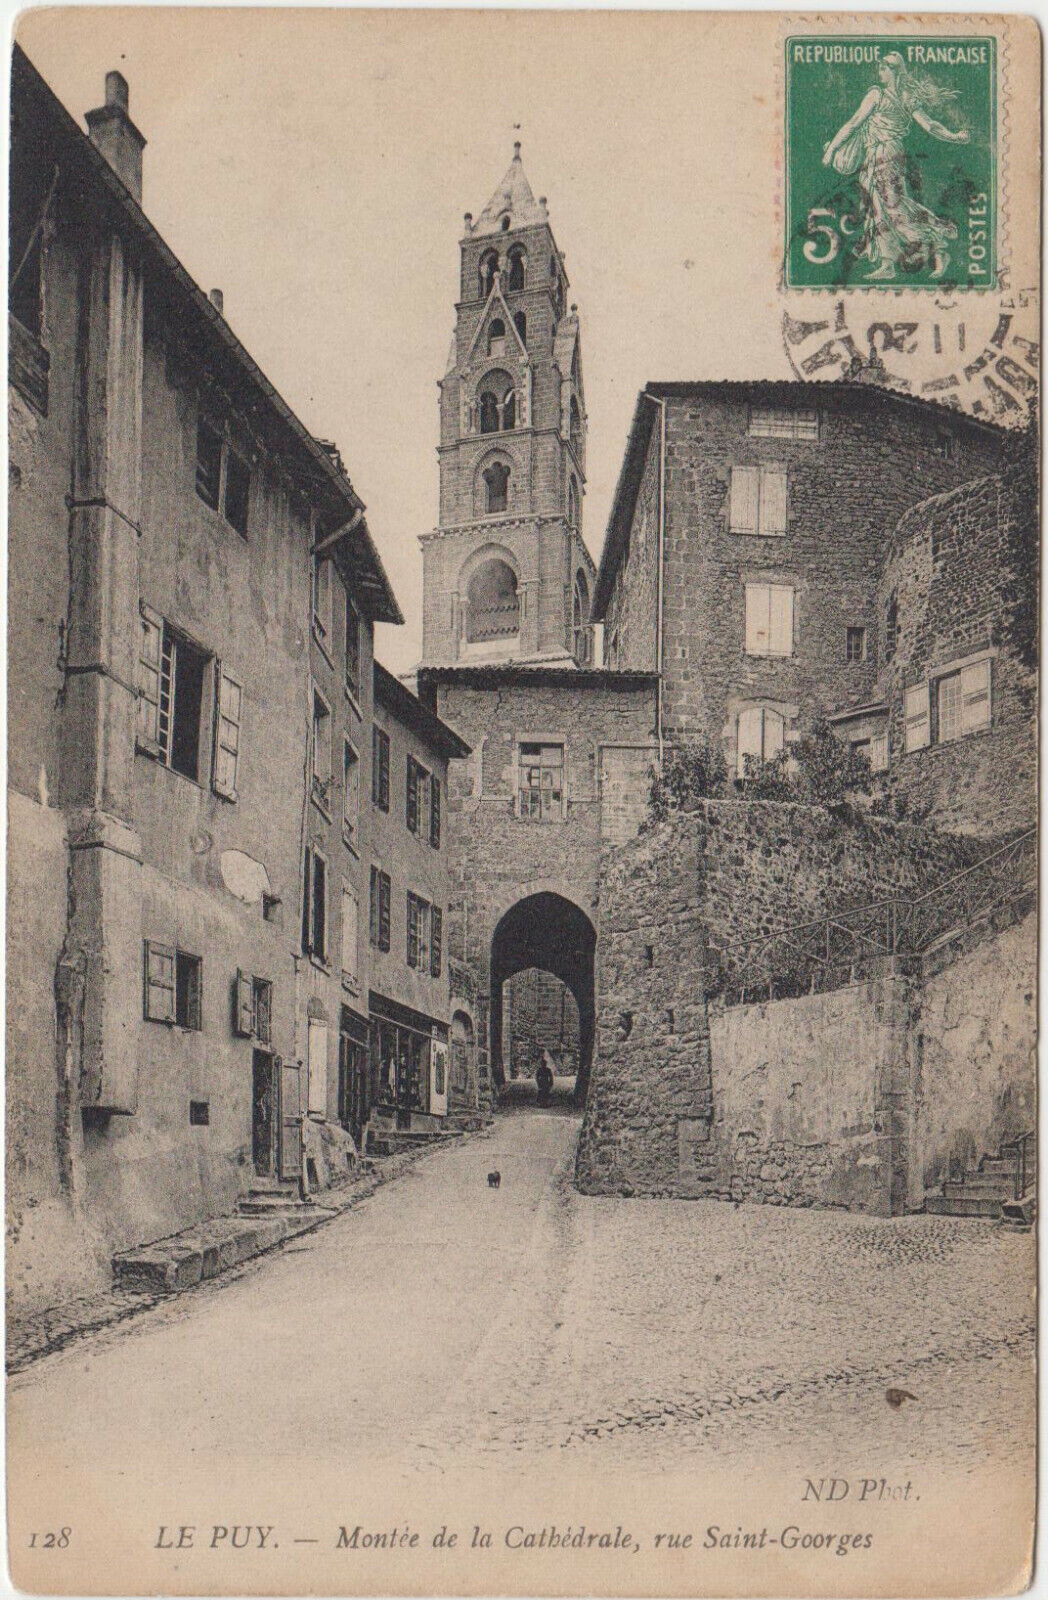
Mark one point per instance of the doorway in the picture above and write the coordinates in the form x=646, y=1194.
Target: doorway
x=264, y=1118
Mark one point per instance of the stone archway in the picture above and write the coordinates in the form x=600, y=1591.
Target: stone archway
x=547, y=931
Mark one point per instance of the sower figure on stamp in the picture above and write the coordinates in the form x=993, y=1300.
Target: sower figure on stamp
x=897, y=230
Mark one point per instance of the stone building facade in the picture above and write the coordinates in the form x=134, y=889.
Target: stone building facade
x=554, y=756
x=746, y=543
x=957, y=602
x=193, y=715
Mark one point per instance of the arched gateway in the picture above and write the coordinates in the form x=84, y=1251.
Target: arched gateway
x=551, y=933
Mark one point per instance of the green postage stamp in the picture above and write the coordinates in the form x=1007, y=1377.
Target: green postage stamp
x=891, y=162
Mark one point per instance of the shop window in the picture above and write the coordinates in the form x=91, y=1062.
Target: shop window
x=350, y=795
x=381, y=909
x=380, y=768
x=314, y=905
x=855, y=644
x=783, y=422
x=541, y=781
x=760, y=737
x=171, y=673
x=173, y=986
x=352, y=649
x=758, y=501
x=769, y=619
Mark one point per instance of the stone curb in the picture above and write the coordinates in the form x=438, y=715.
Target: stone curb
x=154, y=1273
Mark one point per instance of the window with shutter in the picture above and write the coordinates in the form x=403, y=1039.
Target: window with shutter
x=243, y=1006
x=436, y=957
x=159, y=989
x=412, y=794
x=349, y=932
x=758, y=610
x=975, y=697
x=352, y=649
x=772, y=507
x=385, y=912
x=434, y=812
x=380, y=768
x=761, y=737
x=314, y=905
x=745, y=483
x=150, y=643
x=915, y=706
x=350, y=795
x=262, y=990
x=412, y=946
x=317, y=1051
x=229, y=702
x=780, y=621
x=322, y=599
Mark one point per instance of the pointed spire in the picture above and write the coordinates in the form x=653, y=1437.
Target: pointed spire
x=513, y=199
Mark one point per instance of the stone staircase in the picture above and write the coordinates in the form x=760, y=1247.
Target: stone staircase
x=1001, y=1185
x=274, y=1197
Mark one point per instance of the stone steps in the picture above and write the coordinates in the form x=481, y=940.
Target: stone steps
x=998, y=1186
x=940, y=1205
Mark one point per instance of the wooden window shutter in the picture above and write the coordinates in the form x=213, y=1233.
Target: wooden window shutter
x=159, y=972
x=780, y=620
x=758, y=608
x=773, y=500
x=412, y=950
x=147, y=733
x=975, y=697
x=385, y=911
x=229, y=706
x=750, y=743
x=744, y=494
x=436, y=952
x=918, y=721
x=243, y=1006
x=434, y=812
x=412, y=795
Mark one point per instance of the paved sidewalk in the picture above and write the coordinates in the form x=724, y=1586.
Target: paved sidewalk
x=224, y=1244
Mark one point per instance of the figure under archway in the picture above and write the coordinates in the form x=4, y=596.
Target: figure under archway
x=547, y=932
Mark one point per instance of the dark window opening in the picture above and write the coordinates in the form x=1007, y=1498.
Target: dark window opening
x=30, y=195
x=208, y=464
x=182, y=670
x=516, y=270
x=381, y=900
x=199, y=1113
x=238, y=483
x=262, y=1010
x=188, y=974
x=520, y=322
x=492, y=603
x=496, y=337
x=380, y=768
x=314, y=906
x=891, y=628
x=489, y=265
x=352, y=649
x=489, y=413
x=496, y=483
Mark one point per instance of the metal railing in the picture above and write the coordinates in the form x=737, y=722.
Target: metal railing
x=1025, y=1161
x=822, y=953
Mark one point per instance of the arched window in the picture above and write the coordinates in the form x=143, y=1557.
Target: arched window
x=515, y=272
x=581, y=632
x=496, y=337
x=504, y=224
x=520, y=322
x=575, y=425
x=761, y=736
x=489, y=265
x=573, y=505
x=493, y=604
x=553, y=266
x=496, y=486
x=498, y=403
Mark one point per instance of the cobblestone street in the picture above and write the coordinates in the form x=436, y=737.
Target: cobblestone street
x=612, y=1331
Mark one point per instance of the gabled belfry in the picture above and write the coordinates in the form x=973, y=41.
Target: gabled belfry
x=506, y=574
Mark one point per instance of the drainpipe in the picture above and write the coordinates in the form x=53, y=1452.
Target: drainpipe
x=661, y=571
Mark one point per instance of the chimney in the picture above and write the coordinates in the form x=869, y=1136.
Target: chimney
x=217, y=300
x=116, y=137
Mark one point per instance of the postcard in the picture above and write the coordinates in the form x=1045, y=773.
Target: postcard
x=523, y=673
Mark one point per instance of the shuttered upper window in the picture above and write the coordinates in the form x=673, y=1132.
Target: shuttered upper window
x=949, y=706
x=758, y=500
x=784, y=422
x=769, y=619
x=761, y=736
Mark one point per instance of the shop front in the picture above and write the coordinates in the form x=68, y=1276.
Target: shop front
x=408, y=1086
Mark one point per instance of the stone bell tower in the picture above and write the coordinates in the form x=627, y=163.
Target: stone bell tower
x=506, y=576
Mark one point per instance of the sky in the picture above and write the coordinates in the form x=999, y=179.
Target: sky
x=316, y=165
